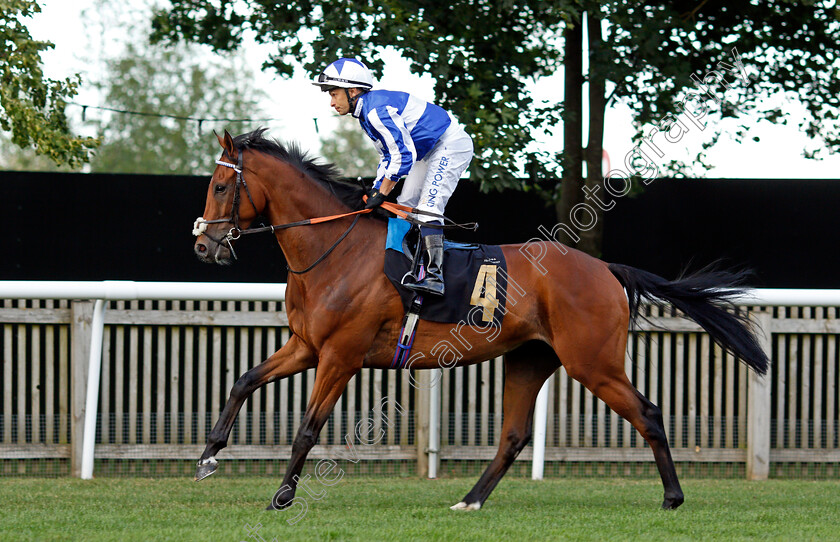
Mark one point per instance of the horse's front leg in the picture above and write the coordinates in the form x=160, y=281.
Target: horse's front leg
x=333, y=374
x=295, y=356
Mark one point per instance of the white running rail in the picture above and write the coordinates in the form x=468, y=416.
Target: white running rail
x=128, y=290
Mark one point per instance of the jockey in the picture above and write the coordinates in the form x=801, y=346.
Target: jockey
x=414, y=138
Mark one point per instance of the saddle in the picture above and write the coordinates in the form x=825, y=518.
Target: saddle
x=475, y=275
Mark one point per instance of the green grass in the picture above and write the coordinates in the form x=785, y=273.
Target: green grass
x=409, y=509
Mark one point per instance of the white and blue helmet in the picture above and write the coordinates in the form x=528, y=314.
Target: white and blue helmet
x=345, y=73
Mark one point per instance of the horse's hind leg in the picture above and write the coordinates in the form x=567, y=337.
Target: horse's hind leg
x=620, y=395
x=292, y=358
x=592, y=348
x=526, y=368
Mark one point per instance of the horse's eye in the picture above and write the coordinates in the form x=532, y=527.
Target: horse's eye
x=220, y=188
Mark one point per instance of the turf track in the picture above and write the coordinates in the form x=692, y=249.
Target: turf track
x=219, y=509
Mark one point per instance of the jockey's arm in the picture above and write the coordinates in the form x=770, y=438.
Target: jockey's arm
x=387, y=186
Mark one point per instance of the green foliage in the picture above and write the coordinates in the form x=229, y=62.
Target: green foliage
x=349, y=149
x=480, y=54
x=32, y=105
x=14, y=158
x=180, y=81
x=785, y=46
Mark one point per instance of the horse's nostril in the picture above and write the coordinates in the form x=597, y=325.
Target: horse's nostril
x=201, y=249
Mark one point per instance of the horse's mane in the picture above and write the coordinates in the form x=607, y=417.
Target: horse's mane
x=326, y=173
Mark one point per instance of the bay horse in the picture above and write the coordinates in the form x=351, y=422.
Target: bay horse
x=344, y=314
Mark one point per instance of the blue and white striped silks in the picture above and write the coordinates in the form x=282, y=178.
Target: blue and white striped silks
x=404, y=129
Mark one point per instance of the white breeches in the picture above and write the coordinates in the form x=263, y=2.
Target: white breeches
x=432, y=180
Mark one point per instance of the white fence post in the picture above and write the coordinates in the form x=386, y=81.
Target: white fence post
x=80, y=331
x=758, y=407
x=92, y=399
x=540, y=422
x=434, y=422
x=421, y=426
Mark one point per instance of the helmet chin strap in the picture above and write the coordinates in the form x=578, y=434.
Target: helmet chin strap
x=352, y=101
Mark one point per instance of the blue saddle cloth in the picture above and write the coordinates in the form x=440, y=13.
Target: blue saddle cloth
x=475, y=277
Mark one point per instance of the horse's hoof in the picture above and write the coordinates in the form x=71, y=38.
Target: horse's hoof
x=282, y=499
x=466, y=507
x=672, y=503
x=274, y=507
x=205, y=468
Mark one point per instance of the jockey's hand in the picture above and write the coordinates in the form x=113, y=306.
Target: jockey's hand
x=375, y=199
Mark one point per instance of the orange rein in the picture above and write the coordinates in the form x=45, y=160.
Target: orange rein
x=399, y=210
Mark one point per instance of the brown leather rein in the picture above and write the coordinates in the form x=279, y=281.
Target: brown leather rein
x=236, y=232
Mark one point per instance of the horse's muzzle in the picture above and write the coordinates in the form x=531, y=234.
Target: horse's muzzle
x=209, y=251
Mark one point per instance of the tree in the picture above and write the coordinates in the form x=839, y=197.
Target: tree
x=32, y=105
x=163, y=91
x=661, y=58
x=14, y=158
x=349, y=149
x=481, y=56
x=678, y=63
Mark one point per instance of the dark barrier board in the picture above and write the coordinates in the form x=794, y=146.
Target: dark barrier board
x=73, y=226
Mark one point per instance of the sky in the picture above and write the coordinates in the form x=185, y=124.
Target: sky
x=777, y=154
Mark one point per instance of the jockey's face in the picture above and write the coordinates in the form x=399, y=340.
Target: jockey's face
x=338, y=99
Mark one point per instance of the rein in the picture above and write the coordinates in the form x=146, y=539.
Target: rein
x=402, y=211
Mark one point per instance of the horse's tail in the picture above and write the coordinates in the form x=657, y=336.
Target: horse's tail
x=706, y=298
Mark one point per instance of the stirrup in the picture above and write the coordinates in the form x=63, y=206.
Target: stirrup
x=409, y=329
x=429, y=286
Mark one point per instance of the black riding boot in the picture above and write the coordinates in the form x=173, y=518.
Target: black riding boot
x=432, y=283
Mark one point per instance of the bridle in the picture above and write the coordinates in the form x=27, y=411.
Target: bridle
x=235, y=232
x=200, y=225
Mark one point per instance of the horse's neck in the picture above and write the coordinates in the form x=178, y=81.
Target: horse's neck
x=293, y=197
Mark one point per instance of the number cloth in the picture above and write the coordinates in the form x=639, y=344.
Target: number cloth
x=475, y=276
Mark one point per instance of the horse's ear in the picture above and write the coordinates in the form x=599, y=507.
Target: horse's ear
x=226, y=142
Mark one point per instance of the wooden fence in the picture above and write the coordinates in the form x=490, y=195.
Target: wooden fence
x=168, y=366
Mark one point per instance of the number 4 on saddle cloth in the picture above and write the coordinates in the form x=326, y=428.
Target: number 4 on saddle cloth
x=475, y=277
